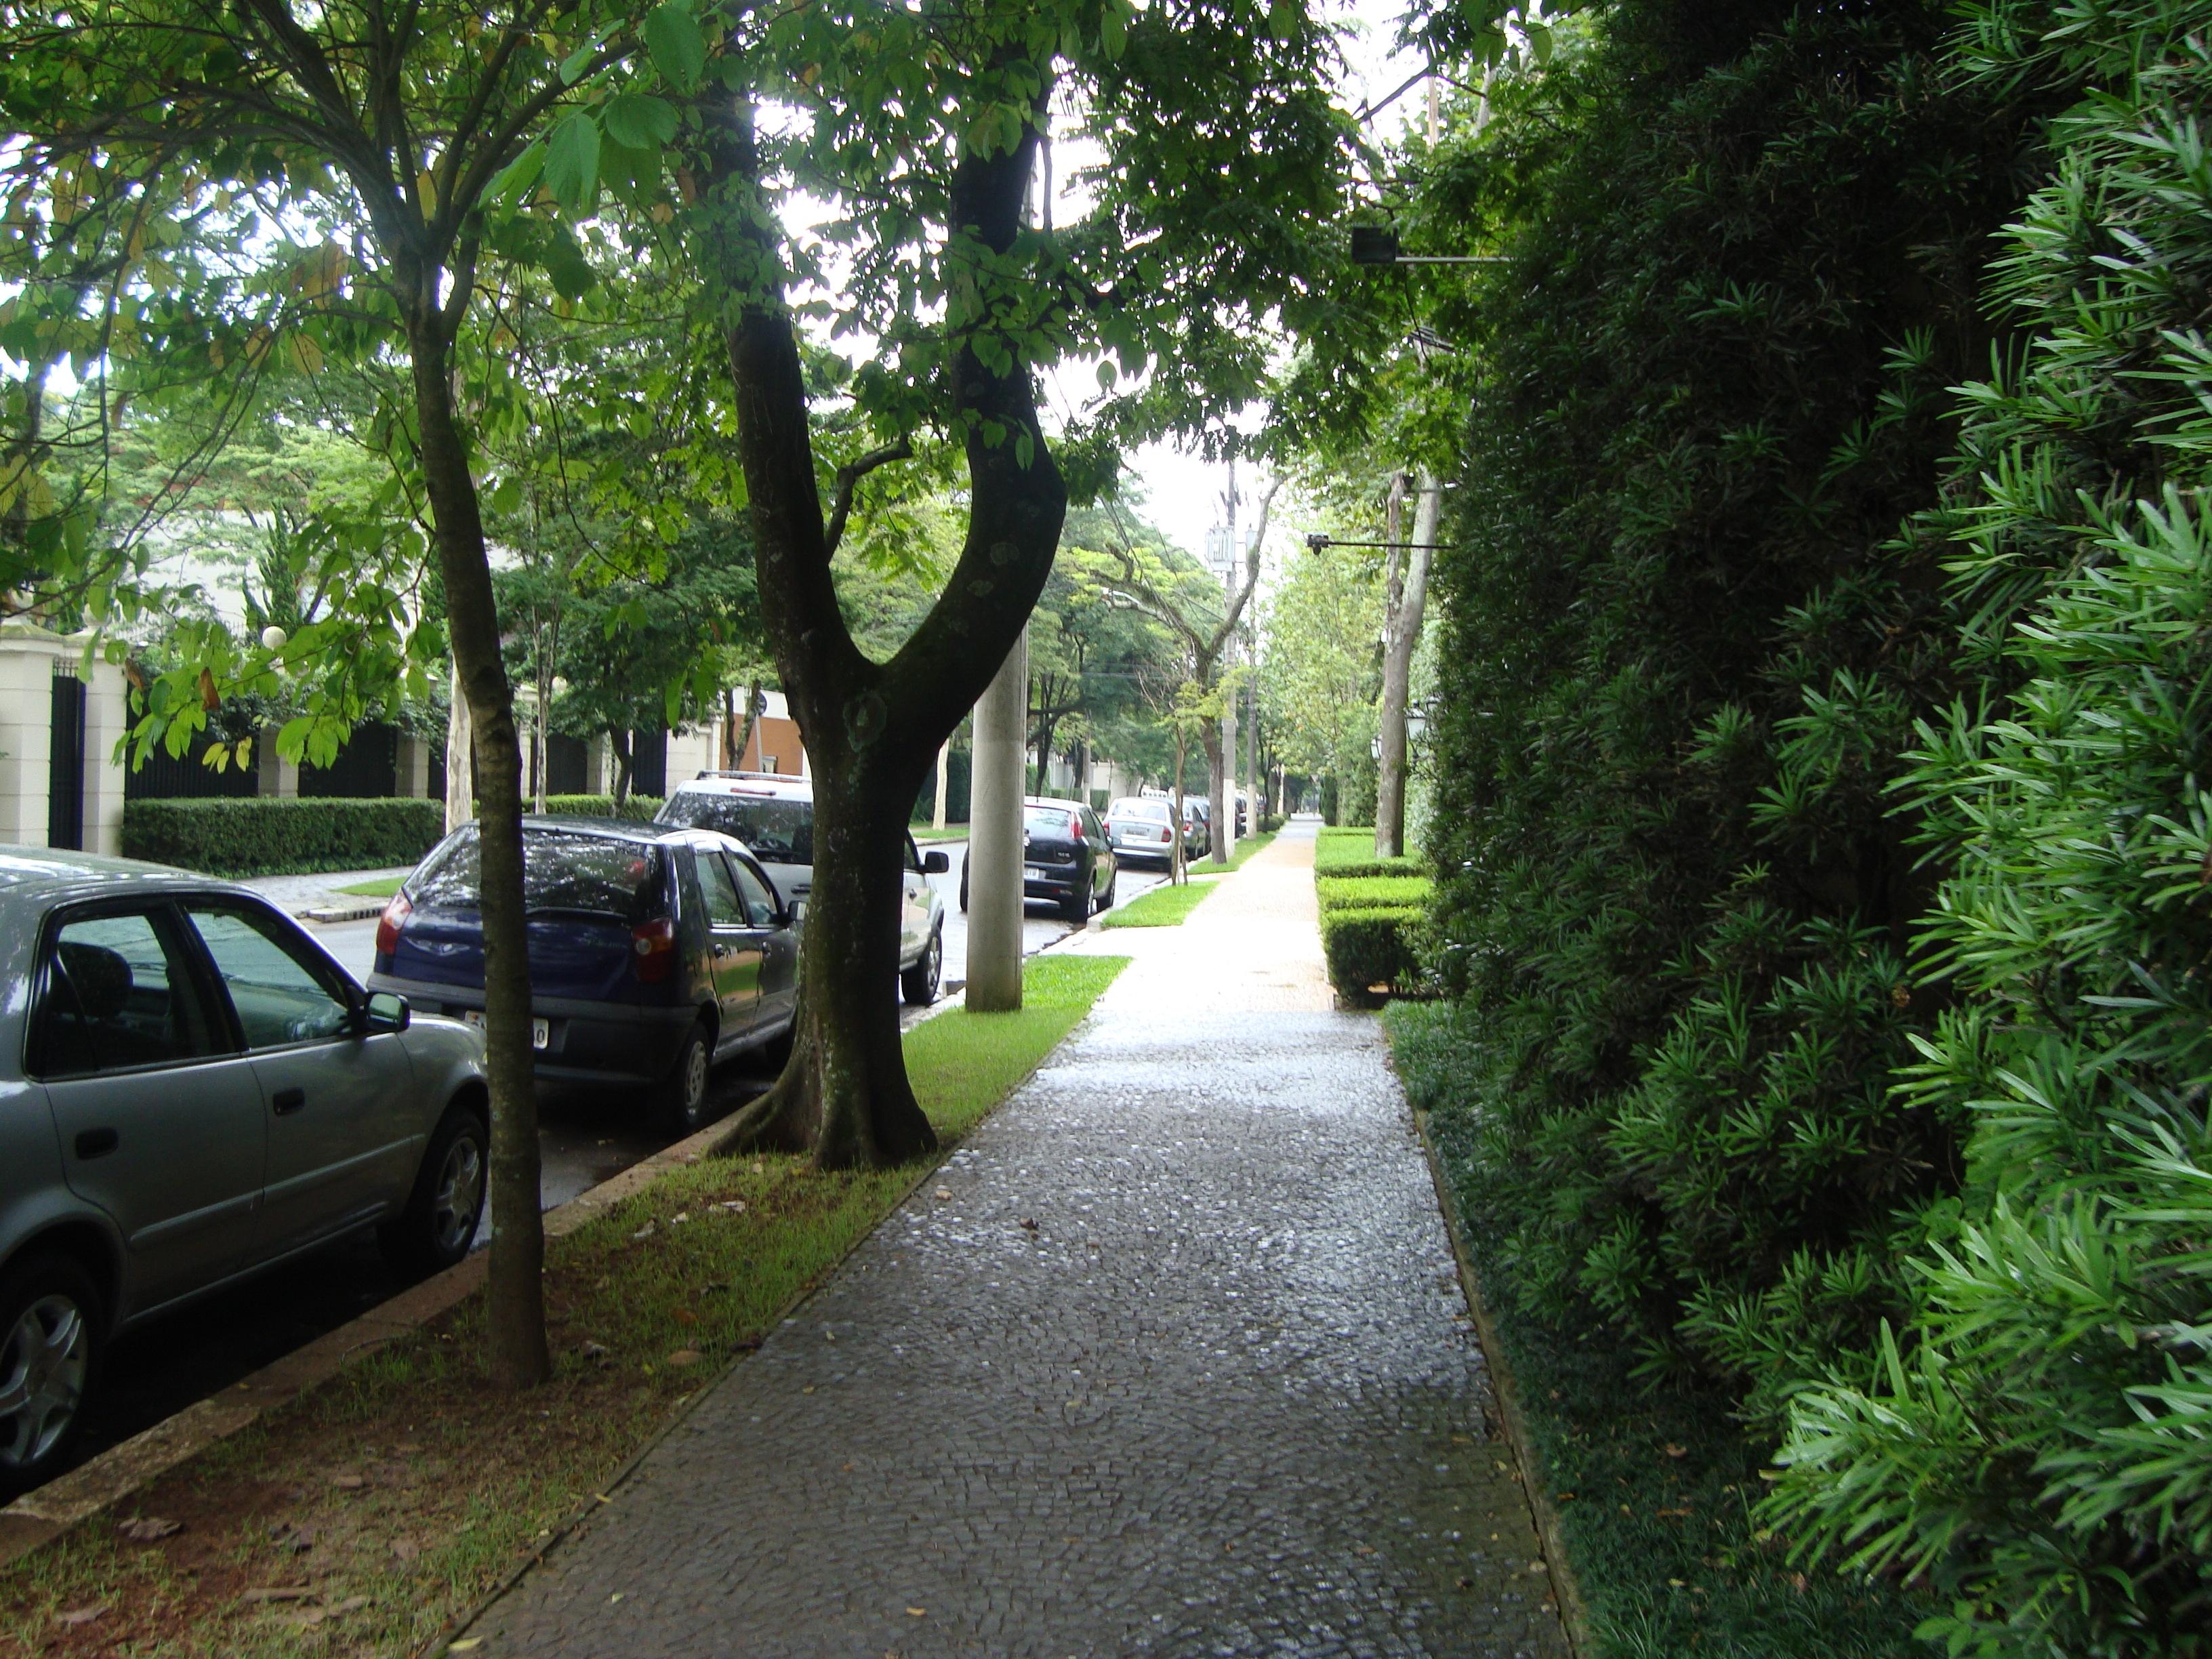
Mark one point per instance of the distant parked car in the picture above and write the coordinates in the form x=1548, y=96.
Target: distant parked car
x=1141, y=827
x=654, y=952
x=1065, y=858
x=190, y=1091
x=773, y=815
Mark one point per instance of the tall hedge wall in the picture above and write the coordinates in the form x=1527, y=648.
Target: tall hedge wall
x=257, y=837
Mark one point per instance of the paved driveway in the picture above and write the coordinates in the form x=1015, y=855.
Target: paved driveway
x=1221, y=1397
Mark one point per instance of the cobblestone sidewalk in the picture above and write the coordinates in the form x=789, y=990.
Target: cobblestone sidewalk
x=1170, y=1360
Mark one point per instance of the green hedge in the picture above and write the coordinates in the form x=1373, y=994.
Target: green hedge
x=1352, y=852
x=1372, y=892
x=1365, y=948
x=638, y=809
x=258, y=837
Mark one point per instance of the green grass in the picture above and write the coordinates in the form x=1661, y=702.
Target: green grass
x=1351, y=851
x=382, y=887
x=923, y=835
x=1654, y=1487
x=456, y=1483
x=1164, y=907
x=1371, y=892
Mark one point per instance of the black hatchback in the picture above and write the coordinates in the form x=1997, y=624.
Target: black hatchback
x=655, y=951
x=1065, y=858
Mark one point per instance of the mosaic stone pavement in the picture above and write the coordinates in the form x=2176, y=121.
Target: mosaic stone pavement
x=1169, y=1359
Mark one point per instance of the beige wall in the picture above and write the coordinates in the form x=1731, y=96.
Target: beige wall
x=28, y=656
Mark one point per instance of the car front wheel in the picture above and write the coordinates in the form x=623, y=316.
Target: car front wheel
x=439, y=1222
x=684, y=1093
x=51, y=1329
x=919, y=983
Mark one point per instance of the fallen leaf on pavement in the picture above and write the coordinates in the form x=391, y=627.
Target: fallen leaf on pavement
x=405, y=1548
x=1029, y=1222
x=684, y=1357
x=77, y=1616
x=916, y=1613
x=1678, y=1451
x=148, y=1528
x=347, y=1481
x=942, y=1193
x=646, y=1231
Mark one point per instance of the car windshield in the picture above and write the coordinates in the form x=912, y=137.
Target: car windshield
x=1047, y=820
x=561, y=870
x=777, y=831
x=1152, y=811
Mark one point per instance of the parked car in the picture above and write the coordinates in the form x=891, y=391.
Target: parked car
x=1065, y=857
x=773, y=817
x=654, y=952
x=1141, y=827
x=191, y=1091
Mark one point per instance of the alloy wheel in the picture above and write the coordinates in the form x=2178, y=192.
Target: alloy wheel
x=43, y=1367
x=459, y=1194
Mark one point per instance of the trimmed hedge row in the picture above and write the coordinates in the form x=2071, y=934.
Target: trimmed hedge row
x=1372, y=892
x=638, y=809
x=1351, y=851
x=272, y=837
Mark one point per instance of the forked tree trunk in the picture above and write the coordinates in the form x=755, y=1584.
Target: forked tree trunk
x=870, y=728
x=515, y=1303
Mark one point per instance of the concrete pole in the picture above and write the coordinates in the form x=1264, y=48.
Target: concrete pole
x=461, y=755
x=995, y=837
x=1224, y=782
x=943, y=785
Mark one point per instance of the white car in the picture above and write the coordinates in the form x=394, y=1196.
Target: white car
x=773, y=815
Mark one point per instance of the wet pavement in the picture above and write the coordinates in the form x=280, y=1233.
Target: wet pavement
x=1170, y=1358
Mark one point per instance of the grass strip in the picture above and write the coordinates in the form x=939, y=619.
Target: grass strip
x=382, y=887
x=1654, y=1487
x=923, y=836
x=1163, y=907
x=363, y=1519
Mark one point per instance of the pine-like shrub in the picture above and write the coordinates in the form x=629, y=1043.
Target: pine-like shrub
x=1684, y=645
x=2036, y=1438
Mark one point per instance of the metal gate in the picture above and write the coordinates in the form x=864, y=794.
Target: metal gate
x=65, y=762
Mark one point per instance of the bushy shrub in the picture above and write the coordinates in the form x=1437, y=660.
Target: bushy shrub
x=262, y=837
x=2036, y=1439
x=1371, y=952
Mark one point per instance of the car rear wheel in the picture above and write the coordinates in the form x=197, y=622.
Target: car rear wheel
x=1106, y=898
x=52, y=1326
x=439, y=1222
x=1076, y=907
x=684, y=1092
x=919, y=983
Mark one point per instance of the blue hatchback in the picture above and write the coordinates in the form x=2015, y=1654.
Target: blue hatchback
x=655, y=951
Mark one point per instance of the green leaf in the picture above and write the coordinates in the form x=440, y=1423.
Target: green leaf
x=576, y=62
x=677, y=49
x=1283, y=16
x=515, y=179
x=637, y=120
x=572, y=161
x=507, y=497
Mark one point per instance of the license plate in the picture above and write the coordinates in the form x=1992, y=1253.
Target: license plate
x=1038, y=872
x=538, y=1029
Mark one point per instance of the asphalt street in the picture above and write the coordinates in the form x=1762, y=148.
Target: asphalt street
x=587, y=1137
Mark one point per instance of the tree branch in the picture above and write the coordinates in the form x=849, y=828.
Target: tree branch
x=848, y=478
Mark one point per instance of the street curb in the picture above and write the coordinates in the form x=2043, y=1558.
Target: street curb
x=1574, y=1611
x=104, y=1483
x=324, y=915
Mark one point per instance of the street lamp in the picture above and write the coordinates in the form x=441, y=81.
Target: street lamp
x=1378, y=245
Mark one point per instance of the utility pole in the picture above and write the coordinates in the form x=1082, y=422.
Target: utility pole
x=1224, y=781
x=995, y=836
x=943, y=785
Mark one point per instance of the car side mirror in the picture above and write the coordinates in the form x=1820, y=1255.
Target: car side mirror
x=936, y=863
x=796, y=915
x=384, y=1011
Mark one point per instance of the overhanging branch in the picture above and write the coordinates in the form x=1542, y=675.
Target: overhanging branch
x=849, y=479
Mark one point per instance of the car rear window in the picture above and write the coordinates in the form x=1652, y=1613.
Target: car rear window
x=1155, y=812
x=775, y=831
x=560, y=872
x=1049, y=819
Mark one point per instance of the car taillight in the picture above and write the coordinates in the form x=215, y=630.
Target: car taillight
x=654, y=943
x=389, y=924
x=1079, y=832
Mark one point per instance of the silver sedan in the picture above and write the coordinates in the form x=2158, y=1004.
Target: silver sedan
x=191, y=1090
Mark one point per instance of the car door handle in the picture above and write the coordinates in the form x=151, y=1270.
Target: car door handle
x=285, y=1102
x=97, y=1143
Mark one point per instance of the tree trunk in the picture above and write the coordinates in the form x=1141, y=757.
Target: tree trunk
x=845, y=1094
x=1403, y=632
x=461, y=756
x=752, y=725
x=515, y=1306
x=871, y=728
x=1178, y=871
x=618, y=743
x=1210, y=738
